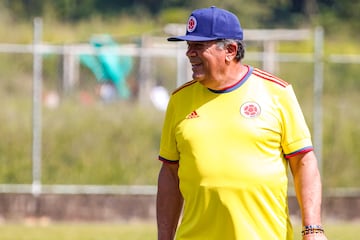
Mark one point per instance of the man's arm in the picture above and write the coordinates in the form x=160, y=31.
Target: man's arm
x=169, y=201
x=308, y=190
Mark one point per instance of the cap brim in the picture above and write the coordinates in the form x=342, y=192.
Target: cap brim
x=190, y=38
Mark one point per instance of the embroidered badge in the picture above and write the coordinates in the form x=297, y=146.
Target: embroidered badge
x=192, y=23
x=250, y=110
x=193, y=114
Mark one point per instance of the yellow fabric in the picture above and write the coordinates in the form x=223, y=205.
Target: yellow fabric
x=232, y=168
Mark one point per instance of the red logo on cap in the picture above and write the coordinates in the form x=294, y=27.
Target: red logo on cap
x=191, y=24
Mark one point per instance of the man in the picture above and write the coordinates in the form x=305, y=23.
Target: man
x=228, y=138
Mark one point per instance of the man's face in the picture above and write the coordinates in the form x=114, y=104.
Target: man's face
x=207, y=61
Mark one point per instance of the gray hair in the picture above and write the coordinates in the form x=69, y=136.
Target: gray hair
x=241, y=47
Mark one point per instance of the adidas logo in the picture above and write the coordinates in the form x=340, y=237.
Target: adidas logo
x=192, y=115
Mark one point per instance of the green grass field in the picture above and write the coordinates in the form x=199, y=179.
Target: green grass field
x=131, y=231
x=78, y=231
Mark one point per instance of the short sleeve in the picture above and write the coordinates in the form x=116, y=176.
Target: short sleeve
x=168, y=146
x=296, y=136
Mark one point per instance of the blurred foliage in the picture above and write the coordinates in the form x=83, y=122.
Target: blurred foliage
x=88, y=142
x=82, y=144
x=253, y=14
x=173, y=15
x=107, y=144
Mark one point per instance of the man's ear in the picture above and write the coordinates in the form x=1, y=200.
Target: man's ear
x=231, y=50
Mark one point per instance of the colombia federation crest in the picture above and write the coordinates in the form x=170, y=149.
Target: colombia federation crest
x=250, y=110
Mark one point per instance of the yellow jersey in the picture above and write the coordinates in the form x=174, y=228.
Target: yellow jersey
x=231, y=146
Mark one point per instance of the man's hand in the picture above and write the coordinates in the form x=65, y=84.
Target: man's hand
x=315, y=236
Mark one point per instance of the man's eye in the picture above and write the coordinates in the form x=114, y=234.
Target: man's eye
x=196, y=46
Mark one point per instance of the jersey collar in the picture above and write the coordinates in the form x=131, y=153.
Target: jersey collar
x=236, y=85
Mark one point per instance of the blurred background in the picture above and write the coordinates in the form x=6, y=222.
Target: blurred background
x=84, y=85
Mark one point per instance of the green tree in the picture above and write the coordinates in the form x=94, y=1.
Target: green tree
x=72, y=10
x=252, y=14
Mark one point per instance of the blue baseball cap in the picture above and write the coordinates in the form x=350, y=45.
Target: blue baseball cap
x=211, y=23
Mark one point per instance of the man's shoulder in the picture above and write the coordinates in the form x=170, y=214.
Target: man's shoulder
x=184, y=86
x=269, y=77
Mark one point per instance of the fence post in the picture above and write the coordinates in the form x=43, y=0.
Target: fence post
x=70, y=69
x=146, y=81
x=269, y=58
x=318, y=93
x=37, y=105
x=182, y=67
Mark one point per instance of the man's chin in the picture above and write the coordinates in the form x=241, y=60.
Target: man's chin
x=198, y=77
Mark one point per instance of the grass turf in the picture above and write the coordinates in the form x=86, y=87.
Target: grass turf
x=128, y=231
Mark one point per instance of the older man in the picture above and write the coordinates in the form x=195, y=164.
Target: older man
x=228, y=138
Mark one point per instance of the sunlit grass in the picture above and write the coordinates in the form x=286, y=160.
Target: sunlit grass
x=130, y=231
x=78, y=231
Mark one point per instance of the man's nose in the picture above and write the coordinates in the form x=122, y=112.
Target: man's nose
x=191, y=52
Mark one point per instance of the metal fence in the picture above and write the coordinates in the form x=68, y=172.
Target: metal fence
x=153, y=47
